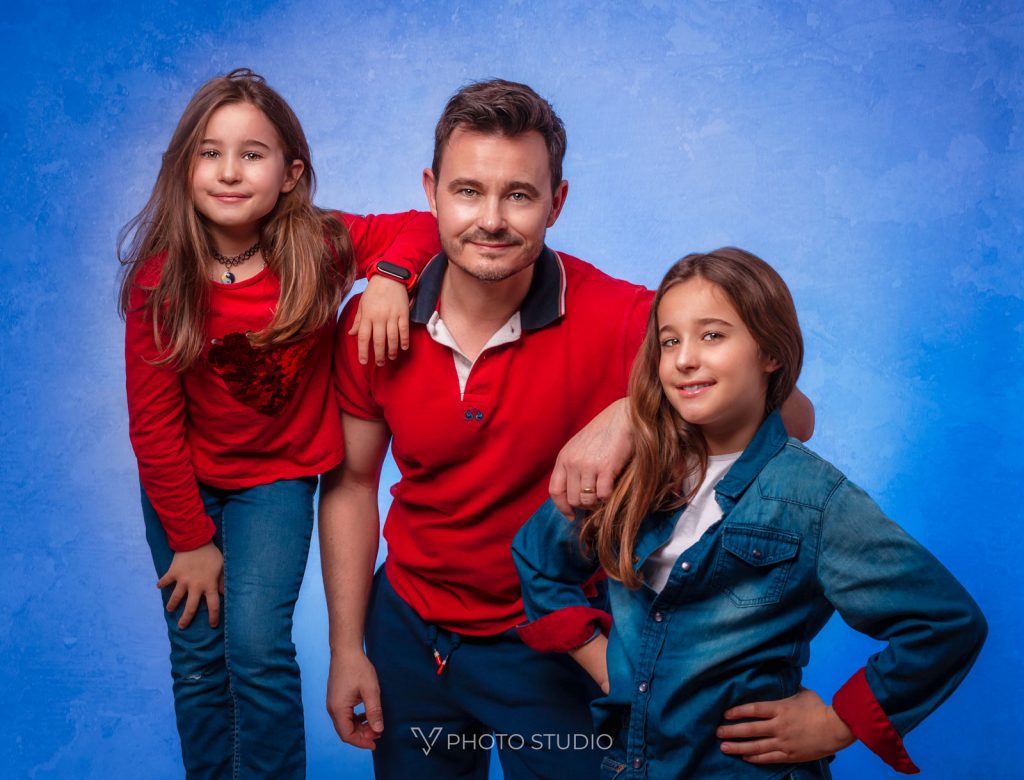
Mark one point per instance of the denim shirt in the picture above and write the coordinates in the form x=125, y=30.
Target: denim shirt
x=734, y=622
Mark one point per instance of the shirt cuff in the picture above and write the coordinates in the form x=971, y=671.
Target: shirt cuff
x=858, y=708
x=564, y=630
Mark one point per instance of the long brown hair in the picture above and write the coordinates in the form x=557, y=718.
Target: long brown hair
x=667, y=449
x=304, y=246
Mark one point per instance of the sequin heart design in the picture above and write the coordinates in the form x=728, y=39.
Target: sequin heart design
x=263, y=379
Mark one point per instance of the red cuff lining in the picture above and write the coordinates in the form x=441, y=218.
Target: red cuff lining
x=565, y=629
x=859, y=709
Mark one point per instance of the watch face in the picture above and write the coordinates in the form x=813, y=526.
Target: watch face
x=396, y=271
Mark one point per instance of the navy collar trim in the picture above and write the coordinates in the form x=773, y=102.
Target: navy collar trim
x=544, y=302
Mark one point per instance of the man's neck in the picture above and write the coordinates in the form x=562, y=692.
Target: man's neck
x=474, y=310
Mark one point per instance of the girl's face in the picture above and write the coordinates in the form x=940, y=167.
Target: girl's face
x=239, y=173
x=711, y=369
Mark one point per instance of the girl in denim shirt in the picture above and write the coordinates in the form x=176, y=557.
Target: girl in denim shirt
x=729, y=546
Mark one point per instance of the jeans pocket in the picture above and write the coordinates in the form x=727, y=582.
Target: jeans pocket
x=753, y=563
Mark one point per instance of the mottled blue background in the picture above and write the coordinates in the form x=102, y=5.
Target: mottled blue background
x=871, y=151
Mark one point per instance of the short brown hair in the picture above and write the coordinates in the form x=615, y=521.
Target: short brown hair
x=502, y=107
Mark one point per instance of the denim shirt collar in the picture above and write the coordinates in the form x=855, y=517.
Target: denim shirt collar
x=544, y=302
x=769, y=440
x=657, y=527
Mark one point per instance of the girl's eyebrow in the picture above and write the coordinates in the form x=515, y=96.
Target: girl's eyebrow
x=247, y=142
x=713, y=321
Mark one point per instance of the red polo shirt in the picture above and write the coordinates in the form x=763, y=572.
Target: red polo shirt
x=240, y=416
x=476, y=465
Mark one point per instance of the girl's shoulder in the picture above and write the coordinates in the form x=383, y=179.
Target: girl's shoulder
x=799, y=475
x=150, y=270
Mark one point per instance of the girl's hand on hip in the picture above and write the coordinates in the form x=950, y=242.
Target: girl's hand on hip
x=196, y=574
x=800, y=728
x=383, y=318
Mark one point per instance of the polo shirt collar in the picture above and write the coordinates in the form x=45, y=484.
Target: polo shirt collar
x=544, y=302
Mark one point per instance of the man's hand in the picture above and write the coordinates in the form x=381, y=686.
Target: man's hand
x=800, y=728
x=352, y=681
x=593, y=657
x=196, y=574
x=586, y=467
x=382, y=317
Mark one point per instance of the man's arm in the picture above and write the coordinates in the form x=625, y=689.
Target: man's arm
x=588, y=464
x=349, y=535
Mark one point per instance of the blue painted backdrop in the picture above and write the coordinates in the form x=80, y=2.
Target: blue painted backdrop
x=873, y=154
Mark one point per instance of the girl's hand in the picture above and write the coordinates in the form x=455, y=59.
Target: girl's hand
x=800, y=728
x=382, y=316
x=197, y=574
x=593, y=657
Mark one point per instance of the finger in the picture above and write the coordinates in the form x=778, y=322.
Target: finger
x=757, y=709
x=556, y=487
x=379, y=346
x=363, y=341
x=572, y=486
x=588, y=489
x=343, y=722
x=604, y=483
x=180, y=591
x=403, y=330
x=213, y=607
x=754, y=728
x=166, y=580
x=374, y=714
x=220, y=583
x=392, y=339
x=191, y=607
x=772, y=757
x=752, y=748
x=357, y=321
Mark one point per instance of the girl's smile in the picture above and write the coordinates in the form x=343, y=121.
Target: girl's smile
x=711, y=369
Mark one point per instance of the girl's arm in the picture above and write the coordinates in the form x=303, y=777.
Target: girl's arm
x=554, y=572
x=156, y=426
x=886, y=585
x=407, y=240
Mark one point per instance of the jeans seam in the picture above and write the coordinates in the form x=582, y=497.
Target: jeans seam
x=235, y=758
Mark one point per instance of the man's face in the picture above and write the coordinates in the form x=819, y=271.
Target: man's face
x=493, y=202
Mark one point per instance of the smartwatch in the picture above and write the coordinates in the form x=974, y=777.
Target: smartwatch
x=393, y=271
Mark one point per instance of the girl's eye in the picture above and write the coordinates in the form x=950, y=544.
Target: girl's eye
x=208, y=153
x=250, y=156
x=669, y=343
x=711, y=336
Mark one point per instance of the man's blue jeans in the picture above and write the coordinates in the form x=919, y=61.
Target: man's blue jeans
x=236, y=687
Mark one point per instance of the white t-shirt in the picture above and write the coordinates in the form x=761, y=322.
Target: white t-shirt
x=700, y=514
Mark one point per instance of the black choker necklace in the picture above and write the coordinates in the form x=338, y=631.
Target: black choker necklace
x=228, y=262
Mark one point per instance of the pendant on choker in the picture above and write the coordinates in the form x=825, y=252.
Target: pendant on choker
x=227, y=278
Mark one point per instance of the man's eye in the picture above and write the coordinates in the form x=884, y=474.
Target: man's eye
x=466, y=192
x=518, y=197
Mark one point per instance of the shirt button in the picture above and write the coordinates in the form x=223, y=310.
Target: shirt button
x=637, y=763
x=658, y=617
x=685, y=566
x=756, y=553
x=643, y=687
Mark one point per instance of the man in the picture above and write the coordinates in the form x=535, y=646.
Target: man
x=514, y=348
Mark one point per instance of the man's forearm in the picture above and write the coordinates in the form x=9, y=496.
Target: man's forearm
x=349, y=537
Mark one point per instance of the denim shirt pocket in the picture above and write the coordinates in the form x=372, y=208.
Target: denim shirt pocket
x=753, y=563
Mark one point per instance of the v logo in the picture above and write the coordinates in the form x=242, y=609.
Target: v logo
x=428, y=742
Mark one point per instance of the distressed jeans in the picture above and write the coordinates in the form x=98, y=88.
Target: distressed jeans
x=236, y=687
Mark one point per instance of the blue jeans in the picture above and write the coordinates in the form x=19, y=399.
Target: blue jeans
x=236, y=687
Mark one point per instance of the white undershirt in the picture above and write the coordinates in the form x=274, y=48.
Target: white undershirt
x=700, y=514
x=439, y=332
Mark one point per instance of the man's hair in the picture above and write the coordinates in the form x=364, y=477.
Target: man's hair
x=501, y=107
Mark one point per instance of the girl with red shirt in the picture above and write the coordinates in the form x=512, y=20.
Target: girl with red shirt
x=230, y=294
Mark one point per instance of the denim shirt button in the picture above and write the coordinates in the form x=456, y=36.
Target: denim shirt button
x=658, y=617
x=643, y=687
x=685, y=566
x=637, y=763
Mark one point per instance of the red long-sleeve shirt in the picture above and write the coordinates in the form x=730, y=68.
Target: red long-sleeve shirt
x=239, y=416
